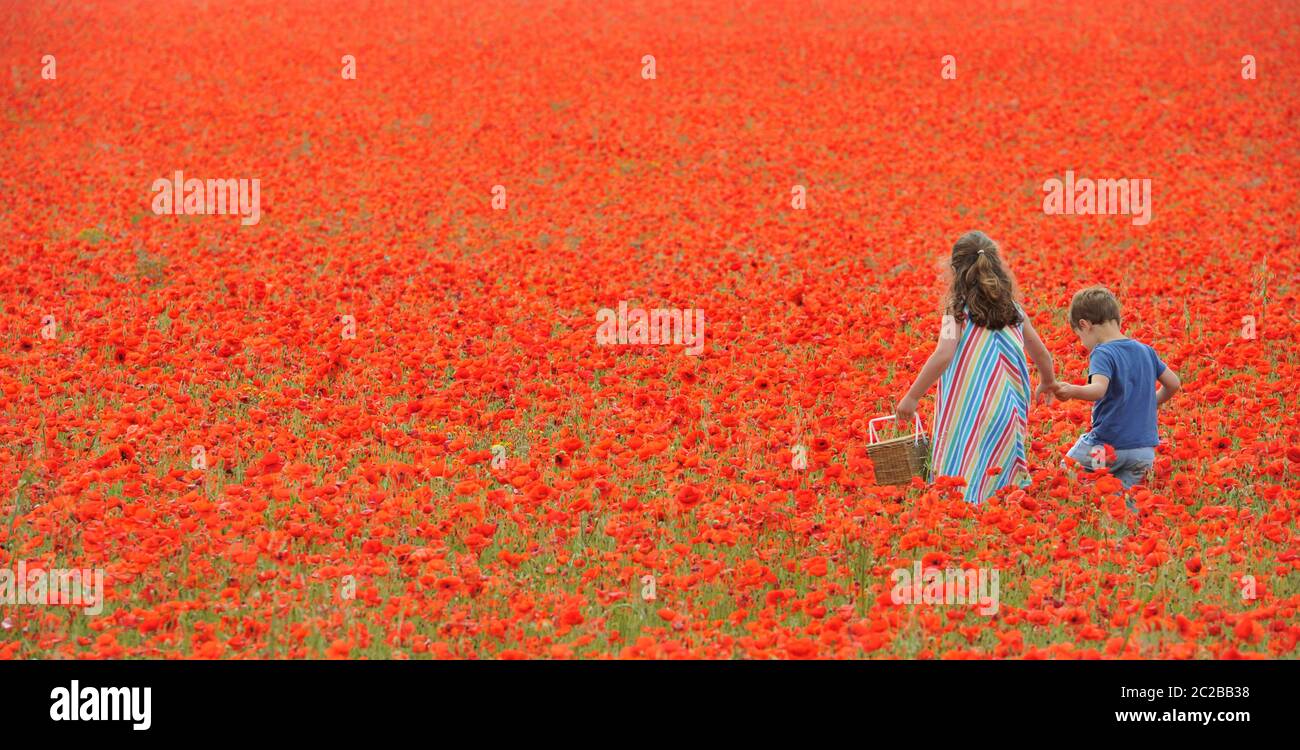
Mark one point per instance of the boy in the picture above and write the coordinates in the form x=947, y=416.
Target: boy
x=1121, y=378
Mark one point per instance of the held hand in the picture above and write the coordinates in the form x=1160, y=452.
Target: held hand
x=1064, y=391
x=905, y=409
x=1045, y=391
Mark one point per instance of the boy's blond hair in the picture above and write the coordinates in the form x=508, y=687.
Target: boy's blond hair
x=1096, y=304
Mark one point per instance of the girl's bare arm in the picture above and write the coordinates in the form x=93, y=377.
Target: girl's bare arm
x=1039, y=355
x=939, y=360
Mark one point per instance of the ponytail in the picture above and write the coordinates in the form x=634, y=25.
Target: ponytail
x=981, y=287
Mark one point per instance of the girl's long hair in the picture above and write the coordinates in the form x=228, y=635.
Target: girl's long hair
x=982, y=288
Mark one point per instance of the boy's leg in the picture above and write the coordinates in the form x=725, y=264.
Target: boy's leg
x=1132, y=465
x=1081, y=452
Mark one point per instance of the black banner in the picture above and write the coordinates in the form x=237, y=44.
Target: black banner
x=380, y=699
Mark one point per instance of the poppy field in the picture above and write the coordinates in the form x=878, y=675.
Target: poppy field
x=364, y=407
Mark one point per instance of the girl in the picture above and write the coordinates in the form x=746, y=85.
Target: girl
x=983, y=404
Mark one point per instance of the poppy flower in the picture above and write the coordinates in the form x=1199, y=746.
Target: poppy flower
x=688, y=496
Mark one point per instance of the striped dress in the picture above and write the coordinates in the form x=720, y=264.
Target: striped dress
x=983, y=412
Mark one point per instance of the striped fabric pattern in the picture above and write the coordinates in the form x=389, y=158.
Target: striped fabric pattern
x=983, y=411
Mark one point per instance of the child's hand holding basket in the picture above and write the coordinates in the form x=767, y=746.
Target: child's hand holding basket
x=899, y=459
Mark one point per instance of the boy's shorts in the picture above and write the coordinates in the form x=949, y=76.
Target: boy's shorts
x=1130, y=467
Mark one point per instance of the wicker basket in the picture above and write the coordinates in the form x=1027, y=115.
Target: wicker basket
x=901, y=458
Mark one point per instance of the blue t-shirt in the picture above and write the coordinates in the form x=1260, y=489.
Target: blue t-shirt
x=1126, y=416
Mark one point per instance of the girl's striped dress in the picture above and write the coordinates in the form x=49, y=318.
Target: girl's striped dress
x=983, y=412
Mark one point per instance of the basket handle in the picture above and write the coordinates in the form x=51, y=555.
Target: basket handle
x=871, y=427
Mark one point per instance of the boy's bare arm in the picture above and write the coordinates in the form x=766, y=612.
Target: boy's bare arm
x=1093, y=391
x=1169, y=385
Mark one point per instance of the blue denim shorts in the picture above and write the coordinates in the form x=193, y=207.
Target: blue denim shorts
x=1130, y=467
